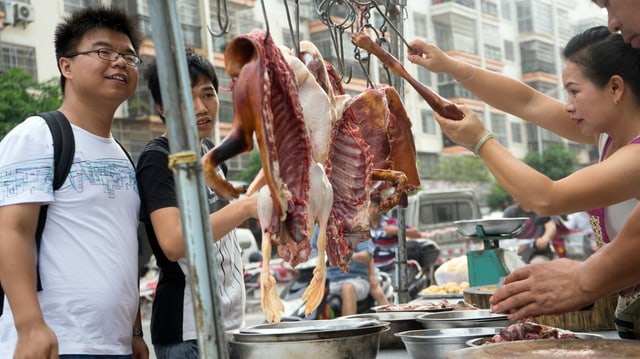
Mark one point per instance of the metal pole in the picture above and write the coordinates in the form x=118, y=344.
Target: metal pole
x=198, y=236
x=402, y=280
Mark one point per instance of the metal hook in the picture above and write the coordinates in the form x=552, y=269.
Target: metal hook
x=266, y=19
x=365, y=68
x=224, y=25
x=295, y=37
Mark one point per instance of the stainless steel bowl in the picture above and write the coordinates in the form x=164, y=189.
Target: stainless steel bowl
x=309, y=339
x=463, y=319
x=398, y=322
x=437, y=343
x=491, y=227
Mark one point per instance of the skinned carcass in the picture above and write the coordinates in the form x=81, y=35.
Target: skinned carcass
x=265, y=102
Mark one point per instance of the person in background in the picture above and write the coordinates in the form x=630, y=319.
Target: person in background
x=375, y=289
x=173, y=326
x=88, y=260
x=384, y=234
x=603, y=103
x=353, y=286
x=539, y=230
x=579, y=221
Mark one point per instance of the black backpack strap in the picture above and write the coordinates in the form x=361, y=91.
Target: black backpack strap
x=63, y=151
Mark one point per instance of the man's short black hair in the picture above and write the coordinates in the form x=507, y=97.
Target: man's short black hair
x=197, y=66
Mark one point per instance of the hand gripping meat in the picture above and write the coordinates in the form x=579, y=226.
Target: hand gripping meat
x=440, y=105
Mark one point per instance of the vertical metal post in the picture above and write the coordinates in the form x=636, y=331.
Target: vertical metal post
x=402, y=280
x=190, y=185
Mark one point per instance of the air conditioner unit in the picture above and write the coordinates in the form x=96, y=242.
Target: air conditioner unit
x=25, y=12
x=9, y=12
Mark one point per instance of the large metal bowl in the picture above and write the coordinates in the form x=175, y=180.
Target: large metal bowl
x=398, y=322
x=463, y=319
x=437, y=343
x=491, y=227
x=309, y=339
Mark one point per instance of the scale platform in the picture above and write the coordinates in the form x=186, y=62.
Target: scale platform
x=488, y=265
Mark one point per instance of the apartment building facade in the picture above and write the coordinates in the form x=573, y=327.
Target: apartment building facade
x=519, y=38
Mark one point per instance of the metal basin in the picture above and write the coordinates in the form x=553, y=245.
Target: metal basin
x=463, y=319
x=491, y=227
x=437, y=343
x=309, y=339
x=398, y=322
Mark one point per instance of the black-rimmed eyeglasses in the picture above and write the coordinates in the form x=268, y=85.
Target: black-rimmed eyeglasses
x=110, y=55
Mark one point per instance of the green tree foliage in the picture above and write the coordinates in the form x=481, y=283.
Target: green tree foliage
x=462, y=169
x=498, y=198
x=21, y=96
x=556, y=162
x=252, y=169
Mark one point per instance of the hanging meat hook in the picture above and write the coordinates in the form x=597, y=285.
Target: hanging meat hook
x=266, y=20
x=338, y=15
x=223, y=19
x=295, y=34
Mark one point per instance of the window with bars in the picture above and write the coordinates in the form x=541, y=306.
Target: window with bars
x=509, y=50
x=23, y=57
x=74, y=5
x=516, y=132
x=428, y=122
x=489, y=7
x=420, y=25
x=499, y=127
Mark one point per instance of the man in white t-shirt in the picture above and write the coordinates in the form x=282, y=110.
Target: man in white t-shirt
x=88, y=258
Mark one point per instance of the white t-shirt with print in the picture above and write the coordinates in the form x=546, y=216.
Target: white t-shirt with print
x=89, y=252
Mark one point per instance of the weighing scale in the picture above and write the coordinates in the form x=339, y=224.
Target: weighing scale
x=486, y=266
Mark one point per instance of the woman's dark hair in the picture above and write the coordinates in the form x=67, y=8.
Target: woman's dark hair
x=69, y=33
x=197, y=66
x=603, y=54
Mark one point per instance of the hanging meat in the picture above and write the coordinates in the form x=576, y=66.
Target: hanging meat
x=265, y=103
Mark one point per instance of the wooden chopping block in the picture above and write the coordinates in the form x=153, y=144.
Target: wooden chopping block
x=479, y=296
x=599, y=318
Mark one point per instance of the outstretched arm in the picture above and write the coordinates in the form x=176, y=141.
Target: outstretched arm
x=538, y=192
x=500, y=91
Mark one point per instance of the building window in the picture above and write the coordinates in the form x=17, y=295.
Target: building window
x=509, y=53
x=490, y=7
x=505, y=8
x=491, y=37
x=73, y=5
x=516, y=132
x=420, y=24
x=456, y=32
x=424, y=76
x=537, y=56
x=499, y=127
x=23, y=57
x=428, y=122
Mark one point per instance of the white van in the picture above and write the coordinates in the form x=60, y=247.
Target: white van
x=434, y=213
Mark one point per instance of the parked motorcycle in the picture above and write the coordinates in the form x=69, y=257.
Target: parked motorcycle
x=422, y=256
x=330, y=306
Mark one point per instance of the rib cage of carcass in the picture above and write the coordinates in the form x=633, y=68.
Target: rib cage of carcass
x=304, y=123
